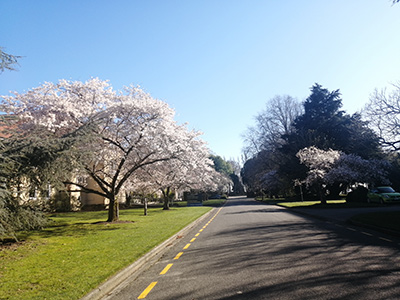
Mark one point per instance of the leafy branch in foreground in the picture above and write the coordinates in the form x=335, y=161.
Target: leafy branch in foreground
x=7, y=61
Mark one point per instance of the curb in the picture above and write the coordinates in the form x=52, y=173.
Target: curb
x=133, y=270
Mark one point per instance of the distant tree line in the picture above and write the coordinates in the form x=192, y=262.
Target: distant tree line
x=303, y=147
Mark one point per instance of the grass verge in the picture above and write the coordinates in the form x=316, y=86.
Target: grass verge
x=210, y=202
x=329, y=205
x=78, y=251
x=214, y=202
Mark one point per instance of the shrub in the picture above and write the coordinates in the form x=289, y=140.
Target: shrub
x=359, y=194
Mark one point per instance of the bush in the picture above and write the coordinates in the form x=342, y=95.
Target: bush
x=359, y=194
x=61, y=201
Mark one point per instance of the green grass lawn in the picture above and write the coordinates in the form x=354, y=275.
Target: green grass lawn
x=330, y=204
x=311, y=204
x=77, y=251
x=214, y=202
x=210, y=202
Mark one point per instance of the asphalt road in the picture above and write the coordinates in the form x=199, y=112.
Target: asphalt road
x=249, y=250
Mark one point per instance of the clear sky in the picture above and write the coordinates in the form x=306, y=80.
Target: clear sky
x=216, y=62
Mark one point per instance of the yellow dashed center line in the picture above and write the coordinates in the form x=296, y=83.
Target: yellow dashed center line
x=178, y=255
x=166, y=269
x=144, y=294
x=147, y=290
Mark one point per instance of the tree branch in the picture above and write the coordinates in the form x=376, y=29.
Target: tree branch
x=85, y=189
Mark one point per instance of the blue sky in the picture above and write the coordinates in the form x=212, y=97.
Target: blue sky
x=216, y=62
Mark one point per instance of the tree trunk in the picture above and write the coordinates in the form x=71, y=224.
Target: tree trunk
x=128, y=198
x=166, y=194
x=113, y=210
x=322, y=194
x=145, y=206
x=166, y=203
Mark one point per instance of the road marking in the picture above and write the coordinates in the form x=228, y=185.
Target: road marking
x=384, y=239
x=178, y=255
x=366, y=233
x=144, y=294
x=147, y=290
x=166, y=269
x=352, y=229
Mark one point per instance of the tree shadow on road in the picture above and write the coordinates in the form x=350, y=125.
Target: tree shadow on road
x=301, y=259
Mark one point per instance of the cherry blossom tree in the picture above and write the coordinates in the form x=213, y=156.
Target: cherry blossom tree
x=193, y=170
x=319, y=162
x=351, y=169
x=114, y=134
x=335, y=167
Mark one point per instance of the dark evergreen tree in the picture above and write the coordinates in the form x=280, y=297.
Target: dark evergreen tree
x=321, y=123
x=221, y=165
x=325, y=126
x=14, y=214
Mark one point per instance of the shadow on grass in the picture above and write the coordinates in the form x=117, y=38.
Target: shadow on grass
x=76, y=224
x=74, y=230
